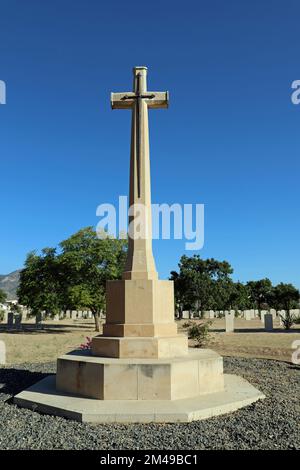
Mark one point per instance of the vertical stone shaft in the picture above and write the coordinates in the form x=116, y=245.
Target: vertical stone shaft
x=140, y=262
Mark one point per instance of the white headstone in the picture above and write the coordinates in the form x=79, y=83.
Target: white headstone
x=273, y=313
x=248, y=315
x=211, y=314
x=262, y=315
x=74, y=314
x=185, y=314
x=295, y=312
x=229, y=321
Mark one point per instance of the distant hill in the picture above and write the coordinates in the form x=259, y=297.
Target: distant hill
x=9, y=284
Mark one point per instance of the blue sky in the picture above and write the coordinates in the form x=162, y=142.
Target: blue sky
x=230, y=138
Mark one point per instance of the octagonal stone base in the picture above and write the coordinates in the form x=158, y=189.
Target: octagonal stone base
x=44, y=398
x=200, y=372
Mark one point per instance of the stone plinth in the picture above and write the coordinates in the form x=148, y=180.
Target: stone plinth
x=140, y=321
x=200, y=372
x=136, y=304
x=140, y=347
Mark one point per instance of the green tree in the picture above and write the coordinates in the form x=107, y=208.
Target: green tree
x=260, y=292
x=239, y=296
x=286, y=296
x=183, y=299
x=15, y=309
x=202, y=284
x=73, y=278
x=3, y=296
x=87, y=262
x=40, y=282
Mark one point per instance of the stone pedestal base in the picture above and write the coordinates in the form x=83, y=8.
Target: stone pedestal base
x=140, y=321
x=139, y=347
x=103, y=390
x=44, y=398
x=200, y=372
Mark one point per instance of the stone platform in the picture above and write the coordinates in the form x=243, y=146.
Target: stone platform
x=100, y=389
x=199, y=372
x=44, y=398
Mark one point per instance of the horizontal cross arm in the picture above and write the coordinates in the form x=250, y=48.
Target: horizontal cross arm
x=160, y=99
x=157, y=99
x=121, y=100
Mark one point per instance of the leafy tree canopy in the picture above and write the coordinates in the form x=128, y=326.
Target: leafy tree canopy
x=3, y=296
x=74, y=276
x=285, y=297
x=202, y=284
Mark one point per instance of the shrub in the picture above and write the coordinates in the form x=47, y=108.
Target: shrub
x=187, y=324
x=1, y=315
x=288, y=320
x=199, y=332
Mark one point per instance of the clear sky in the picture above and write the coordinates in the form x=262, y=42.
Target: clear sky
x=230, y=138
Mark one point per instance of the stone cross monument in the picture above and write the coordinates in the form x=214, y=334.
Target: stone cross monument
x=140, y=308
x=140, y=369
x=140, y=262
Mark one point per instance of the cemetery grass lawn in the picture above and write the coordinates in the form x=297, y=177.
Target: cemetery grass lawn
x=251, y=340
x=57, y=338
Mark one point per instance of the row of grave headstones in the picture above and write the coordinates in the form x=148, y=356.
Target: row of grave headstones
x=267, y=317
x=74, y=315
x=11, y=317
x=14, y=321
x=267, y=320
x=246, y=314
x=69, y=314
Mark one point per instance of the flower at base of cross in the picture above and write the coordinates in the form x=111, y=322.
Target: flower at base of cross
x=86, y=345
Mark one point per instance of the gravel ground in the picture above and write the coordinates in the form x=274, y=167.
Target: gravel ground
x=273, y=423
